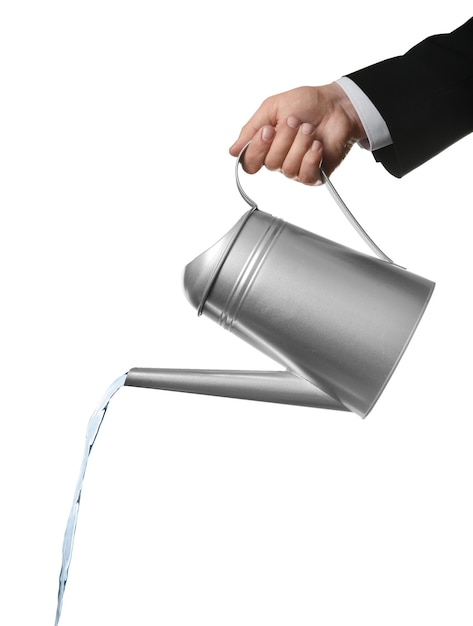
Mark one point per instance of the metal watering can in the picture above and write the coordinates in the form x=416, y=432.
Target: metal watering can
x=336, y=319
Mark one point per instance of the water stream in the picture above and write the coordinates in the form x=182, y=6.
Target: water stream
x=92, y=431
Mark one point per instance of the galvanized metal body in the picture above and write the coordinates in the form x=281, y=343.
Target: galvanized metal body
x=338, y=320
x=333, y=316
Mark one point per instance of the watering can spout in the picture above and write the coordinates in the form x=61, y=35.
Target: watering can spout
x=336, y=320
x=281, y=387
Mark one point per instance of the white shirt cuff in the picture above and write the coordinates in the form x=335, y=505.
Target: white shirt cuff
x=377, y=132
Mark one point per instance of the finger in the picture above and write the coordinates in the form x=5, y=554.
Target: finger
x=300, y=145
x=256, y=152
x=309, y=172
x=285, y=134
x=247, y=134
x=264, y=116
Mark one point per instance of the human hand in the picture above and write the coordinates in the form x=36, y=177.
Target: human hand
x=295, y=131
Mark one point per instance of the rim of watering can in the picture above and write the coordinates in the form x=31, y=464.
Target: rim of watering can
x=221, y=261
x=234, y=237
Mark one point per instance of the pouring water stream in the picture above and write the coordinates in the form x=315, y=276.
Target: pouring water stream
x=93, y=428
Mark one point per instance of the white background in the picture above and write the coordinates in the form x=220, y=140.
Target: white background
x=115, y=123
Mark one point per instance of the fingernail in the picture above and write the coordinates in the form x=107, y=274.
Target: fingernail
x=316, y=145
x=307, y=129
x=267, y=133
x=293, y=122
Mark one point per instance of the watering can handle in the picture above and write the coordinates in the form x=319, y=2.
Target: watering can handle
x=345, y=210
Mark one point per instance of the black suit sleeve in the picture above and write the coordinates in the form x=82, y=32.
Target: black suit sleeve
x=425, y=97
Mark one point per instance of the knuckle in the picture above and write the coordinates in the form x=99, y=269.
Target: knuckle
x=290, y=172
x=251, y=168
x=307, y=180
x=272, y=163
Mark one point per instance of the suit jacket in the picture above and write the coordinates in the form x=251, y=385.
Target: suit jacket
x=425, y=97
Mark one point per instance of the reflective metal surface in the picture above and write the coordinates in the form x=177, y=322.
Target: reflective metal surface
x=336, y=317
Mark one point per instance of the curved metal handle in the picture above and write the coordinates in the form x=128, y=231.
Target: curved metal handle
x=336, y=196
x=244, y=195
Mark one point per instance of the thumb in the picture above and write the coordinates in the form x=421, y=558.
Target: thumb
x=335, y=152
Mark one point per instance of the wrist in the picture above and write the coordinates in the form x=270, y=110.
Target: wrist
x=376, y=131
x=357, y=130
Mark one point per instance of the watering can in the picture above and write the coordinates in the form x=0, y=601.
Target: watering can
x=336, y=319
